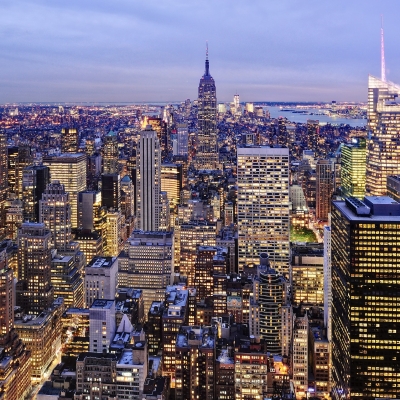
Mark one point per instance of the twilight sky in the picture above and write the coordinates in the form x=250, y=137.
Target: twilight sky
x=154, y=50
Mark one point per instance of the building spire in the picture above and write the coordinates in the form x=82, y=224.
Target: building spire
x=207, y=62
x=383, y=68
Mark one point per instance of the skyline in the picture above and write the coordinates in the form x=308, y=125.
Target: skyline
x=268, y=52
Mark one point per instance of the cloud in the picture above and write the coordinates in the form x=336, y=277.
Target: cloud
x=131, y=50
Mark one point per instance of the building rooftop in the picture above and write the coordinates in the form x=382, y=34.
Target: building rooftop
x=154, y=386
x=101, y=262
x=102, y=304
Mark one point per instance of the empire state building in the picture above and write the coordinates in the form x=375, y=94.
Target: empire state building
x=207, y=151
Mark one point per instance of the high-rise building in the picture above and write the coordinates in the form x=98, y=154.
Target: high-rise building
x=69, y=140
x=19, y=158
x=3, y=177
x=70, y=170
x=182, y=140
x=383, y=145
x=89, y=214
x=6, y=299
x=110, y=153
x=365, y=292
x=111, y=191
x=324, y=189
x=147, y=262
x=100, y=279
x=34, y=290
x=300, y=355
x=313, y=135
x=269, y=318
x=148, y=180
x=207, y=156
x=393, y=187
x=195, y=354
x=102, y=324
x=263, y=206
x=353, y=168
x=55, y=213
x=307, y=274
x=35, y=179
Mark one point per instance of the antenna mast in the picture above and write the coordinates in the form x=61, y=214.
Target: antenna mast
x=383, y=68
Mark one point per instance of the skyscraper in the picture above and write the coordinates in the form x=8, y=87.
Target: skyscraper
x=149, y=180
x=110, y=153
x=365, y=298
x=70, y=170
x=69, y=140
x=324, y=189
x=312, y=135
x=353, y=165
x=207, y=150
x=383, y=145
x=34, y=290
x=55, y=213
x=3, y=168
x=111, y=191
x=263, y=206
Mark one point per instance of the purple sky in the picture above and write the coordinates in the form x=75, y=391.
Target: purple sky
x=128, y=50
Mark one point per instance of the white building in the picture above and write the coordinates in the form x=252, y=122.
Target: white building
x=101, y=325
x=148, y=180
x=100, y=279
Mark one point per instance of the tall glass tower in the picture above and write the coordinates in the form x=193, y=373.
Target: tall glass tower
x=383, y=146
x=207, y=151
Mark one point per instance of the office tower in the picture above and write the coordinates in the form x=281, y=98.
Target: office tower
x=324, y=189
x=327, y=282
x=35, y=179
x=165, y=210
x=89, y=205
x=353, y=168
x=321, y=363
x=393, y=187
x=207, y=156
x=67, y=281
x=171, y=182
x=148, y=180
x=111, y=191
x=90, y=243
x=210, y=261
x=34, y=290
x=6, y=299
x=154, y=326
x=365, y=293
x=102, y=324
x=300, y=356
x=127, y=197
x=269, y=318
x=224, y=372
x=100, y=279
x=110, y=153
x=3, y=170
x=313, y=135
x=147, y=263
x=13, y=213
x=113, y=235
x=195, y=354
x=250, y=107
x=189, y=236
x=263, y=206
x=124, y=373
x=176, y=315
x=251, y=368
x=55, y=214
x=221, y=108
x=160, y=127
x=42, y=336
x=307, y=274
x=69, y=140
x=236, y=102
x=383, y=150
x=182, y=140
x=70, y=170
x=19, y=157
